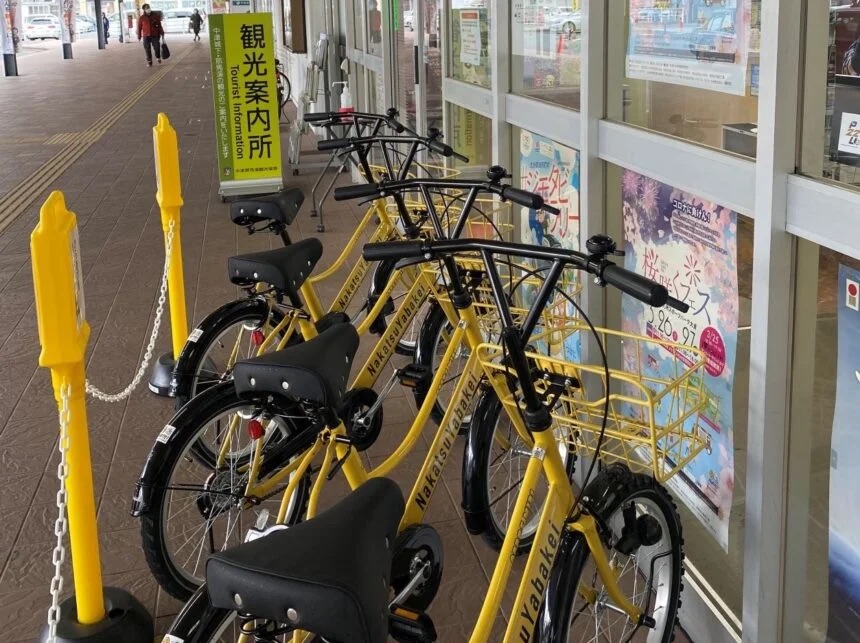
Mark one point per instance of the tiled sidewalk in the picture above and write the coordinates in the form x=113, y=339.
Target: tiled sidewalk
x=111, y=187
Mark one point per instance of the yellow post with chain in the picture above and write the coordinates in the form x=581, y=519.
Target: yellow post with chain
x=63, y=335
x=169, y=197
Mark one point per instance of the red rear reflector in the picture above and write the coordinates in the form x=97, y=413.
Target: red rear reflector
x=255, y=429
x=257, y=337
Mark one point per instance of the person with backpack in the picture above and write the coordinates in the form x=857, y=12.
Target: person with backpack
x=150, y=29
x=195, y=22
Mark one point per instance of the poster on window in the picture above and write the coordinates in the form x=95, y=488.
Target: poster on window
x=551, y=170
x=844, y=551
x=470, y=37
x=246, y=103
x=690, y=245
x=67, y=21
x=696, y=44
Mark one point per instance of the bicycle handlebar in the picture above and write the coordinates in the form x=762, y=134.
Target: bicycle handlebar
x=429, y=142
x=631, y=283
x=521, y=197
x=445, y=150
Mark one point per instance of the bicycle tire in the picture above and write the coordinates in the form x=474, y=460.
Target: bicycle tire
x=175, y=451
x=648, y=494
x=285, y=89
x=192, y=359
x=428, y=353
x=478, y=475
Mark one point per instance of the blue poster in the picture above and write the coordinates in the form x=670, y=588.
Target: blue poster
x=844, y=555
x=690, y=246
x=552, y=170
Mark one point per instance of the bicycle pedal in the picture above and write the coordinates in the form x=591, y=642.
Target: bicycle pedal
x=415, y=376
x=406, y=626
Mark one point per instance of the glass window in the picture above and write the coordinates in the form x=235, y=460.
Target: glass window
x=689, y=68
x=833, y=538
x=545, y=50
x=470, y=41
x=472, y=136
x=831, y=146
x=356, y=7
x=703, y=252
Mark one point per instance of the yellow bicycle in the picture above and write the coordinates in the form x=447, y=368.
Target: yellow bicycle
x=369, y=567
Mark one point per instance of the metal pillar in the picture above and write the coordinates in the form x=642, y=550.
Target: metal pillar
x=100, y=31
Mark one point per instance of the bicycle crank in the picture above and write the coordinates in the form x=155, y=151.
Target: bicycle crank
x=416, y=568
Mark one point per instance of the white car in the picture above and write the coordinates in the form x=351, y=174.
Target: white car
x=42, y=26
x=176, y=20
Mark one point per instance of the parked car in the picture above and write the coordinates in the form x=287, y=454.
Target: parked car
x=719, y=35
x=129, y=24
x=176, y=20
x=42, y=26
x=84, y=24
x=566, y=21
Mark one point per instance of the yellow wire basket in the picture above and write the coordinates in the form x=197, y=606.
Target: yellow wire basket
x=488, y=218
x=652, y=423
x=380, y=172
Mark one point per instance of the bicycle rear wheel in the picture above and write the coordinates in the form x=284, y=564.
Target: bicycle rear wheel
x=195, y=508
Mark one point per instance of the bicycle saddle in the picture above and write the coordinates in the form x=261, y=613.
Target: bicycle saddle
x=316, y=370
x=329, y=575
x=283, y=268
x=280, y=207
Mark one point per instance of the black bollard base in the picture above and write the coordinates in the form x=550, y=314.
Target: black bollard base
x=162, y=371
x=67, y=51
x=126, y=620
x=10, y=64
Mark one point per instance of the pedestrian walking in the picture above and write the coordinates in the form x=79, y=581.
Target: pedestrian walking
x=149, y=28
x=106, y=27
x=196, y=21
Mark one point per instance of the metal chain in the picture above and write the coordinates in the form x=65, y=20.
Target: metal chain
x=61, y=526
x=156, y=326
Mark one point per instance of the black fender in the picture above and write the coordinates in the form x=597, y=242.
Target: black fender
x=381, y=275
x=426, y=345
x=156, y=460
x=478, y=441
x=555, y=610
x=197, y=621
x=198, y=340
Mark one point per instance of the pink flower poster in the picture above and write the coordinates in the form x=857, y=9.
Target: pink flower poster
x=690, y=245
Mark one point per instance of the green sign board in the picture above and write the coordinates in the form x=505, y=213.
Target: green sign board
x=246, y=101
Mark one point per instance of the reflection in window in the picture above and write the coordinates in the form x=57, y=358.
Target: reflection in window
x=470, y=41
x=472, y=136
x=374, y=27
x=691, y=70
x=546, y=45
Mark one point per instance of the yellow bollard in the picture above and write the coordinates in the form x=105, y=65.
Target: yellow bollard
x=169, y=197
x=63, y=334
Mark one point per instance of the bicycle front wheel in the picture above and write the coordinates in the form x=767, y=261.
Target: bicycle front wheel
x=645, y=548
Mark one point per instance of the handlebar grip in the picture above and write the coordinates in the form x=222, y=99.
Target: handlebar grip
x=333, y=144
x=635, y=285
x=393, y=250
x=461, y=157
x=440, y=148
x=359, y=191
x=396, y=125
x=316, y=117
x=522, y=197
x=677, y=304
